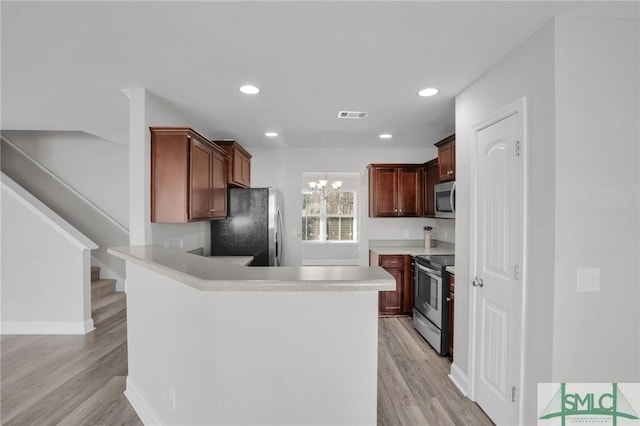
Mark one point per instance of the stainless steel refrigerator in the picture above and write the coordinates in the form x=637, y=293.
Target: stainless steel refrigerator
x=253, y=226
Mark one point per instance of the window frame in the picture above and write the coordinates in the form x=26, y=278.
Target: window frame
x=323, y=221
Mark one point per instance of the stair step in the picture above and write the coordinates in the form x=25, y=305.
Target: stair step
x=95, y=273
x=107, y=306
x=100, y=288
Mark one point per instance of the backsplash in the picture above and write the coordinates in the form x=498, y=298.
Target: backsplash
x=411, y=229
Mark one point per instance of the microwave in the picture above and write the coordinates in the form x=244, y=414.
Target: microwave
x=445, y=199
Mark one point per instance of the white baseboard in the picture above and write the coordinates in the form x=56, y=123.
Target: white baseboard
x=139, y=404
x=46, y=327
x=458, y=378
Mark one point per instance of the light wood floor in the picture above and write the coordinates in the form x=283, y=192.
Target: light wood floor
x=79, y=380
x=413, y=384
x=71, y=380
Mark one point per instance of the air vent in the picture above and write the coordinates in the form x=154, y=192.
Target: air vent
x=353, y=114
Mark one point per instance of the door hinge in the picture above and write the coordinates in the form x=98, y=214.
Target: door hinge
x=517, y=148
x=516, y=272
x=513, y=394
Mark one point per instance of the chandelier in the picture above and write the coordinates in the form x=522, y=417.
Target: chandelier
x=320, y=186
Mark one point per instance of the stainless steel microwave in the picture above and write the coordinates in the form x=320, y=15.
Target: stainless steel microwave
x=445, y=199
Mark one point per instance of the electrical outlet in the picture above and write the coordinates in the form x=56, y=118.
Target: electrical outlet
x=172, y=398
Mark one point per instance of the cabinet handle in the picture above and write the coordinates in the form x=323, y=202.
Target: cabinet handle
x=448, y=299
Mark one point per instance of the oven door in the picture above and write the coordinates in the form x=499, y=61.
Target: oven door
x=428, y=293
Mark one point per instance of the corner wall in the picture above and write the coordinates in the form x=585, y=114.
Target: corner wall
x=597, y=187
x=582, y=154
x=148, y=110
x=527, y=72
x=46, y=268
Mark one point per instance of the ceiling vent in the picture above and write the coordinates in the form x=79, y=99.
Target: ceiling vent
x=353, y=114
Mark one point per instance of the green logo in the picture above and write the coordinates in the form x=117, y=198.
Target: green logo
x=588, y=405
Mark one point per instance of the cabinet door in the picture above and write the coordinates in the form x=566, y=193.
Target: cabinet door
x=245, y=174
x=451, y=311
x=218, y=194
x=200, y=177
x=410, y=191
x=447, y=160
x=383, y=184
x=431, y=178
x=407, y=291
x=390, y=302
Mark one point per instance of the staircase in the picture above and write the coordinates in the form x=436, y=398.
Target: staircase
x=106, y=302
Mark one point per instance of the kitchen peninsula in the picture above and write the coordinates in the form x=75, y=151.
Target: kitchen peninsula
x=214, y=342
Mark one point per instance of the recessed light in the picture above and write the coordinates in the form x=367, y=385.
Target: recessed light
x=249, y=90
x=271, y=134
x=429, y=91
x=385, y=136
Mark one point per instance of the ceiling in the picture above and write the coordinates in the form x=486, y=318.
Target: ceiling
x=64, y=64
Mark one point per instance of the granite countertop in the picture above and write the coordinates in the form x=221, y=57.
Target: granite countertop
x=218, y=274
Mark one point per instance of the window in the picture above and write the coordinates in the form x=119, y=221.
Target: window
x=329, y=216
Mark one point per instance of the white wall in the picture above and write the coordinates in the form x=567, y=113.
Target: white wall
x=282, y=168
x=148, y=110
x=597, y=184
x=527, y=71
x=95, y=167
x=45, y=271
x=57, y=195
x=248, y=358
x=582, y=151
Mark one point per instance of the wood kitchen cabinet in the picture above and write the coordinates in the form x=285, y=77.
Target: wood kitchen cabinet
x=238, y=163
x=188, y=176
x=395, y=190
x=431, y=178
x=400, y=300
x=451, y=310
x=447, y=158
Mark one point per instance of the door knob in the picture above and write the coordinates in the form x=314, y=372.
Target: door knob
x=477, y=282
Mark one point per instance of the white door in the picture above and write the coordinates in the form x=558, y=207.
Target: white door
x=497, y=217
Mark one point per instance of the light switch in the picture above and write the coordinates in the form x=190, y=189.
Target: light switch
x=588, y=280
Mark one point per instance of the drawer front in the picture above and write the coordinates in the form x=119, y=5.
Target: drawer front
x=392, y=262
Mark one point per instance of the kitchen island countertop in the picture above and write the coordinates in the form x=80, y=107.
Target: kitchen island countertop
x=211, y=274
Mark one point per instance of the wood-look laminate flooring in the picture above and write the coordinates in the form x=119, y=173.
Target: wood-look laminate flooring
x=70, y=380
x=413, y=384
x=80, y=380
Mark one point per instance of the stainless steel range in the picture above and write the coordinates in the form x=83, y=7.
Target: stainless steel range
x=430, y=304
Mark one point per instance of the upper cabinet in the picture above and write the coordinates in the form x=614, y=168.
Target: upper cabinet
x=447, y=158
x=431, y=178
x=395, y=190
x=238, y=164
x=188, y=176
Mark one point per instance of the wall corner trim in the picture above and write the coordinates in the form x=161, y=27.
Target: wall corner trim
x=458, y=378
x=140, y=405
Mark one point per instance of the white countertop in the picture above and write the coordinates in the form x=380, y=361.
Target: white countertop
x=451, y=269
x=235, y=260
x=410, y=250
x=217, y=274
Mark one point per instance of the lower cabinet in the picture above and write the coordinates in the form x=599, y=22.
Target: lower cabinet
x=451, y=300
x=400, y=300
